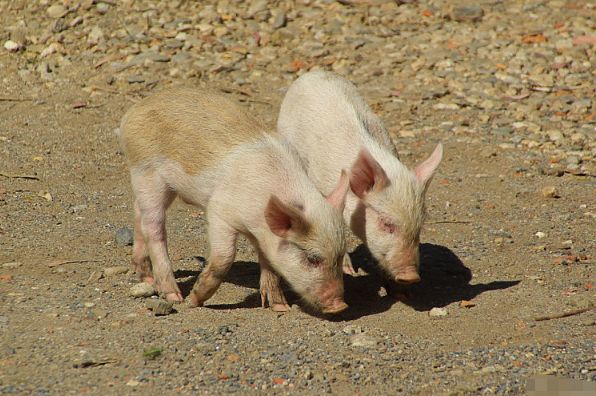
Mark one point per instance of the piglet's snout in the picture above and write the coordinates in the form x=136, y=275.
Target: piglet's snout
x=408, y=276
x=331, y=297
x=406, y=266
x=337, y=305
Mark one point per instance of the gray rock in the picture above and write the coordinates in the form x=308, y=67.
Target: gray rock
x=156, y=57
x=502, y=131
x=501, y=233
x=181, y=57
x=258, y=6
x=174, y=44
x=142, y=289
x=135, y=79
x=279, y=20
x=124, y=237
x=467, y=13
x=160, y=306
x=148, y=56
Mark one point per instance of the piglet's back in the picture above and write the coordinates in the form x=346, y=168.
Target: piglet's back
x=193, y=127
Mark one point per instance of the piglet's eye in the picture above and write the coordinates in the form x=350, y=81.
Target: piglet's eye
x=314, y=261
x=388, y=226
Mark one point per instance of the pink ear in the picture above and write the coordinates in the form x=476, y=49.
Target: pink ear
x=425, y=170
x=283, y=219
x=337, y=197
x=367, y=175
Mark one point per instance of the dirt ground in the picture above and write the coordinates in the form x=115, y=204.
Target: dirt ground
x=510, y=235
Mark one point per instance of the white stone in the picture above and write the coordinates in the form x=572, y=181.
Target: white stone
x=436, y=312
x=142, y=290
x=12, y=46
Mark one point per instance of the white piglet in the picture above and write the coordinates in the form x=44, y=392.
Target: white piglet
x=205, y=149
x=332, y=128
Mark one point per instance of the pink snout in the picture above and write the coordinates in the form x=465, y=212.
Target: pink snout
x=406, y=268
x=331, y=297
x=336, y=306
x=408, y=276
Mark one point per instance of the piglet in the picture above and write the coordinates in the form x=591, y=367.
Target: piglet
x=205, y=149
x=332, y=127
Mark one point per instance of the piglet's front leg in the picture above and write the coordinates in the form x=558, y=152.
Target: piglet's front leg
x=270, y=286
x=222, y=245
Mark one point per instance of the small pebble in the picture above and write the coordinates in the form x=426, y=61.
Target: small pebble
x=56, y=11
x=102, y=7
x=567, y=244
x=12, y=46
x=111, y=271
x=436, y=312
x=549, y=192
x=363, y=340
x=11, y=265
x=467, y=13
x=135, y=79
x=540, y=234
x=142, y=289
x=124, y=237
x=279, y=20
x=159, y=306
x=352, y=329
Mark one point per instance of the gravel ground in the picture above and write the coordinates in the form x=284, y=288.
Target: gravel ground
x=507, y=86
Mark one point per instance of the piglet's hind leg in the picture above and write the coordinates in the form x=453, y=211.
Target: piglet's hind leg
x=141, y=262
x=153, y=199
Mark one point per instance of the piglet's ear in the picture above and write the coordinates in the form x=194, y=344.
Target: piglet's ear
x=337, y=197
x=425, y=170
x=367, y=175
x=283, y=219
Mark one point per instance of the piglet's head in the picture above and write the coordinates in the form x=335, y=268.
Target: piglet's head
x=391, y=212
x=310, y=246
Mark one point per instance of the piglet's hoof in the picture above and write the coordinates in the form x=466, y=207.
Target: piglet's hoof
x=195, y=301
x=280, y=307
x=173, y=297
